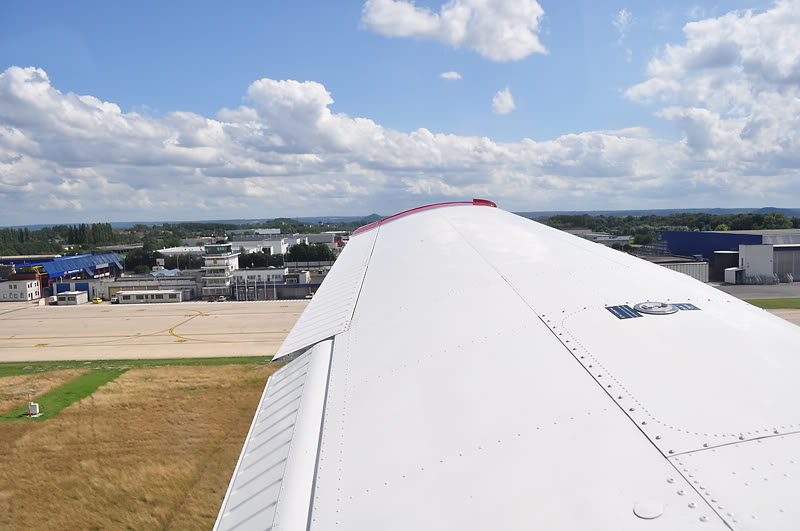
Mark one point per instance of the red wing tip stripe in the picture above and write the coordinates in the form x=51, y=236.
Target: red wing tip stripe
x=370, y=226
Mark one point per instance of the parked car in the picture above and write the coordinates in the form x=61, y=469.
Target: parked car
x=97, y=300
x=221, y=298
x=114, y=300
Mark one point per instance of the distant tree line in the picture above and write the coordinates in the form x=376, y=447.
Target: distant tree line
x=259, y=259
x=315, y=252
x=87, y=237
x=96, y=233
x=26, y=241
x=641, y=225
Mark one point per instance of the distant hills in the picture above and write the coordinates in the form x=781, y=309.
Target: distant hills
x=791, y=212
x=340, y=219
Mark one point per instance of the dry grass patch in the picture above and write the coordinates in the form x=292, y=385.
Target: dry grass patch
x=154, y=449
x=14, y=389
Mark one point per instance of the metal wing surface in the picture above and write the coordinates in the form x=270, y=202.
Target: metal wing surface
x=472, y=369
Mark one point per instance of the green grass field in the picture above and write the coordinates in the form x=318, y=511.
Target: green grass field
x=17, y=368
x=776, y=304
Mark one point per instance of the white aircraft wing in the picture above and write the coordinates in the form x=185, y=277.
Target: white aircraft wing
x=465, y=368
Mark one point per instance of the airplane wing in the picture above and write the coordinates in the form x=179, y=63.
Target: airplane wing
x=465, y=368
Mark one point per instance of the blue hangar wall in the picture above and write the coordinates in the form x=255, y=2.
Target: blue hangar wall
x=690, y=243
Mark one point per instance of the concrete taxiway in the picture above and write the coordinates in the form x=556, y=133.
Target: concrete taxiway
x=134, y=331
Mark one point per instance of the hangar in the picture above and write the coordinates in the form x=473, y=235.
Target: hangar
x=731, y=249
x=49, y=270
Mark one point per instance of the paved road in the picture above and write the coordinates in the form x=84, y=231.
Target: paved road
x=777, y=291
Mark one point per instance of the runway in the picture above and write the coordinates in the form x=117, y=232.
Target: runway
x=136, y=331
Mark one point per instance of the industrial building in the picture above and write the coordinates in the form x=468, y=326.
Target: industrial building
x=260, y=275
x=762, y=256
x=603, y=238
x=272, y=283
x=187, y=282
x=272, y=245
x=697, y=269
x=258, y=284
x=334, y=240
x=50, y=271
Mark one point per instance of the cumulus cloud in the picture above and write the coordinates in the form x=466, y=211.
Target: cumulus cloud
x=500, y=30
x=733, y=87
x=503, y=102
x=733, y=90
x=450, y=75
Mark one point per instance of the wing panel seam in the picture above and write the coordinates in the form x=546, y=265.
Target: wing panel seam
x=321, y=430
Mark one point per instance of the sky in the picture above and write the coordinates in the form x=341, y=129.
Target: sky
x=114, y=111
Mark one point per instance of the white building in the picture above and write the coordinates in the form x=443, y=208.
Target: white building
x=280, y=246
x=259, y=276
x=220, y=263
x=757, y=262
x=269, y=246
x=330, y=239
x=149, y=296
x=262, y=283
x=249, y=246
x=19, y=290
x=73, y=297
x=324, y=237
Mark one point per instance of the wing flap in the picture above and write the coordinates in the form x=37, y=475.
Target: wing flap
x=276, y=467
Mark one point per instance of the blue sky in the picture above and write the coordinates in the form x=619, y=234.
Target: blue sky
x=154, y=59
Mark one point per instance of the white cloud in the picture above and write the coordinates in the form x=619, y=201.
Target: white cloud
x=621, y=22
x=500, y=30
x=733, y=89
x=503, y=102
x=450, y=75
